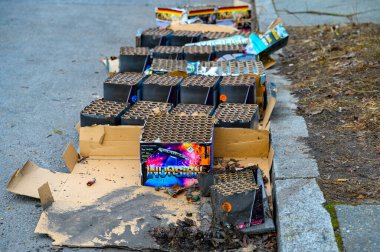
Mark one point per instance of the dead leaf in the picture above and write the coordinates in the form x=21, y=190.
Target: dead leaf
x=314, y=111
x=341, y=180
x=57, y=131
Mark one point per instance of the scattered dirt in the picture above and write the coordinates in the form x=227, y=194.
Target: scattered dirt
x=185, y=236
x=335, y=71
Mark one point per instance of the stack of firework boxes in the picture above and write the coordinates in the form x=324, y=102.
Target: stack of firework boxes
x=189, y=120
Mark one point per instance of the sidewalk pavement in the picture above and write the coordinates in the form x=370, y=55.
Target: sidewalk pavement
x=310, y=12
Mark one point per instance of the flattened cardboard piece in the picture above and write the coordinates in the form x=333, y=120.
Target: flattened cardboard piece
x=46, y=196
x=70, y=157
x=115, y=211
x=176, y=26
x=30, y=177
x=101, y=140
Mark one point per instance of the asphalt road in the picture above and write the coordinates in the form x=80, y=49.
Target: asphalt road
x=50, y=68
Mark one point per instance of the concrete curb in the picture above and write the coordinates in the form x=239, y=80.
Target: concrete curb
x=302, y=222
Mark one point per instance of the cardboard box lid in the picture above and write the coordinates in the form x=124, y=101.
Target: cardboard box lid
x=110, y=141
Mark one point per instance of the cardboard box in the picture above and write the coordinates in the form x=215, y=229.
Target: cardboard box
x=165, y=16
x=235, y=16
x=201, y=14
x=273, y=39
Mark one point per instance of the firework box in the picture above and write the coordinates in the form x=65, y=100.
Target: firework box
x=235, y=16
x=175, y=163
x=273, y=39
x=165, y=16
x=205, y=15
x=178, y=153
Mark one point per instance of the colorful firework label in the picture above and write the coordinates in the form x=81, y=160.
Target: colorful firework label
x=177, y=163
x=235, y=16
x=164, y=16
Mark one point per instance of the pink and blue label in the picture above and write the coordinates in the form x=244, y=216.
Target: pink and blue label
x=164, y=165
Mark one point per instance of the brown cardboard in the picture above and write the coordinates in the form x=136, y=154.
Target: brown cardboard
x=241, y=143
x=268, y=61
x=110, y=141
x=268, y=113
x=30, y=177
x=275, y=23
x=70, y=157
x=113, y=177
x=46, y=196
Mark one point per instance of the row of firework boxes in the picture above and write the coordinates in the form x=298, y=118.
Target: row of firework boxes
x=237, y=16
x=152, y=37
x=138, y=59
x=208, y=90
x=189, y=53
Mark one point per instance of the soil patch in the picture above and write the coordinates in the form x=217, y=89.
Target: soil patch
x=335, y=71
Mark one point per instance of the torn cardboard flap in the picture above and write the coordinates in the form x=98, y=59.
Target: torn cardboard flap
x=46, y=196
x=268, y=61
x=70, y=157
x=30, y=177
x=268, y=112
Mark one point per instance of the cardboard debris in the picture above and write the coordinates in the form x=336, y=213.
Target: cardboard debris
x=109, y=212
x=26, y=180
x=46, y=196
